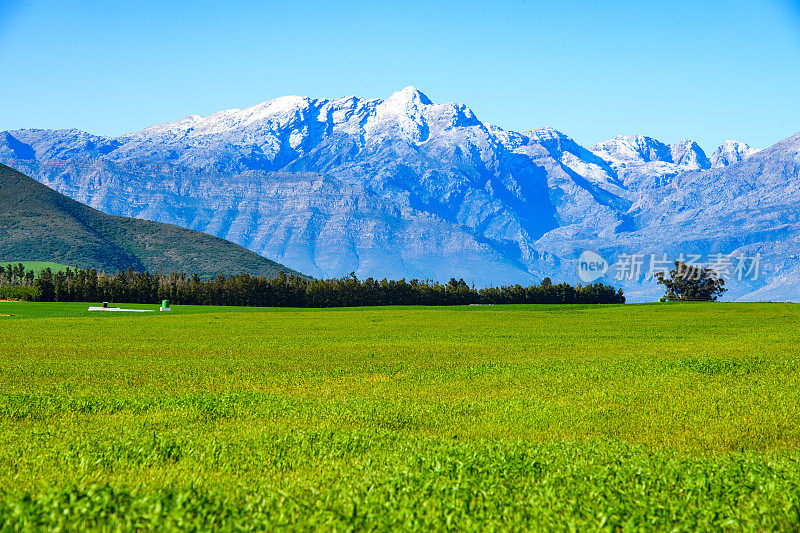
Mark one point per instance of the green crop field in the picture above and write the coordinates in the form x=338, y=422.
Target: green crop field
x=672, y=417
x=38, y=266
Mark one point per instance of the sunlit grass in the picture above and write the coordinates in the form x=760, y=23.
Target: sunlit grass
x=647, y=416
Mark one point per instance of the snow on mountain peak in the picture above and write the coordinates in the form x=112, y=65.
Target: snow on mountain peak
x=405, y=102
x=547, y=133
x=687, y=153
x=410, y=94
x=279, y=110
x=406, y=114
x=634, y=148
x=553, y=140
x=731, y=152
x=410, y=115
x=283, y=104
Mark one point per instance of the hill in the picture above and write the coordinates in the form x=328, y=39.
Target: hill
x=39, y=224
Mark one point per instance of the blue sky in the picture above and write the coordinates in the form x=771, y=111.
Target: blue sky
x=707, y=70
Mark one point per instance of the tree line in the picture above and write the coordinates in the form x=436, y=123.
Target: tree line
x=16, y=275
x=87, y=285
x=17, y=283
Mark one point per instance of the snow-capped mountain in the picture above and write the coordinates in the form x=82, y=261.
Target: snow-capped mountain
x=405, y=187
x=634, y=149
x=688, y=153
x=729, y=153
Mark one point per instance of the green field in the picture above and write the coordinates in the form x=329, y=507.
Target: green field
x=678, y=417
x=38, y=266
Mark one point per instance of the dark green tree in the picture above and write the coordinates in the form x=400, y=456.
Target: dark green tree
x=45, y=286
x=691, y=283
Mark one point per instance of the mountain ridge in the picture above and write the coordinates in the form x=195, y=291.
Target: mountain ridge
x=401, y=187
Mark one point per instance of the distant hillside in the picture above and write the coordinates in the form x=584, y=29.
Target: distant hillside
x=39, y=224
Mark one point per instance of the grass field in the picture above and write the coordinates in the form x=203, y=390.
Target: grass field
x=38, y=266
x=678, y=417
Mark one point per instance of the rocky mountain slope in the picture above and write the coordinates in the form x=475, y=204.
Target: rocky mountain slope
x=405, y=187
x=39, y=224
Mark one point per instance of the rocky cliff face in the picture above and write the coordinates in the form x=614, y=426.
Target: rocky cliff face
x=405, y=187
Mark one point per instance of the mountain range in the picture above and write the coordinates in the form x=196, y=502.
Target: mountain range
x=405, y=187
x=39, y=224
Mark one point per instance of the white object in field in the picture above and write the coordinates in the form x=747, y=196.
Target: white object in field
x=164, y=309
x=119, y=309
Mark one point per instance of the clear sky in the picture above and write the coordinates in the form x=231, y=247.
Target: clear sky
x=707, y=70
